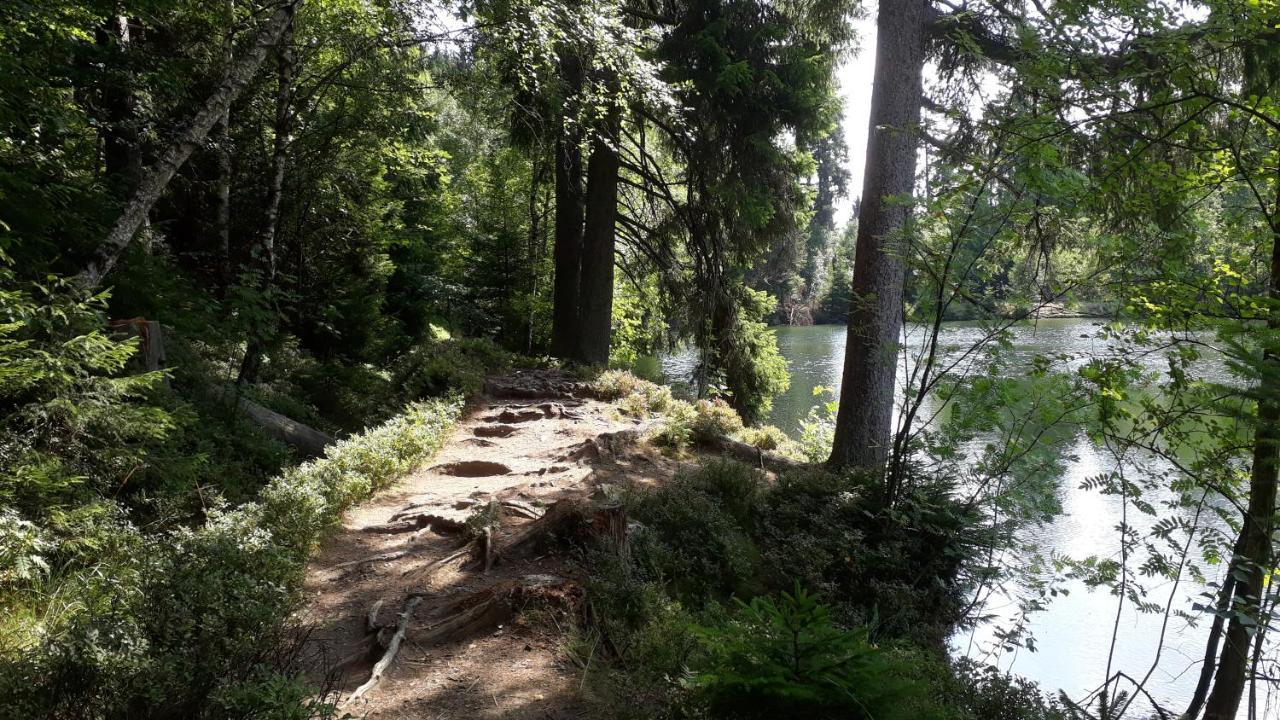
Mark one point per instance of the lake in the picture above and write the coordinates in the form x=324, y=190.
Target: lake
x=1073, y=636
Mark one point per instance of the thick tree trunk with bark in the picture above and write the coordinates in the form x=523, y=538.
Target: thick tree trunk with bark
x=570, y=211
x=1255, y=552
x=863, y=424
x=595, y=290
x=157, y=177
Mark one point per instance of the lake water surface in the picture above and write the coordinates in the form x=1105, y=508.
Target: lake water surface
x=1073, y=636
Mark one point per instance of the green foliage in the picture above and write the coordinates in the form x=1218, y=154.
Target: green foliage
x=788, y=658
x=771, y=439
x=746, y=358
x=696, y=536
x=818, y=430
x=981, y=692
x=128, y=582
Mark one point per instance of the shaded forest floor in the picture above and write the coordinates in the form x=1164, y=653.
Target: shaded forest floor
x=451, y=560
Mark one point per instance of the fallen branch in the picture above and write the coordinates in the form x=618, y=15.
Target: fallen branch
x=306, y=439
x=380, y=667
x=371, y=620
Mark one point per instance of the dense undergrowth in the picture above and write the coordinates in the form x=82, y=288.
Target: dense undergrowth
x=739, y=596
x=151, y=543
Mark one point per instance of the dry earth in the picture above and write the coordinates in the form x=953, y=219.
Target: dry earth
x=477, y=642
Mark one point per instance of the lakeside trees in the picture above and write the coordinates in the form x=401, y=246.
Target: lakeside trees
x=598, y=180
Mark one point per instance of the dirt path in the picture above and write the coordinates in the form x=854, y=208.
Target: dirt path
x=471, y=647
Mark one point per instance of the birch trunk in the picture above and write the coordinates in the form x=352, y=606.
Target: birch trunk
x=157, y=177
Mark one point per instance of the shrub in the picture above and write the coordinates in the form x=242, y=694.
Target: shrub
x=714, y=419
x=695, y=535
x=435, y=368
x=172, y=626
x=977, y=691
x=676, y=428
x=637, y=644
x=831, y=532
x=787, y=658
x=771, y=439
x=616, y=384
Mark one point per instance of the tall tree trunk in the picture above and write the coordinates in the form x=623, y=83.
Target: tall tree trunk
x=1215, y=635
x=265, y=253
x=570, y=212
x=122, y=157
x=1256, y=552
x=863, y=423
x=222, y=146
x=595, y=291
x=156, y=178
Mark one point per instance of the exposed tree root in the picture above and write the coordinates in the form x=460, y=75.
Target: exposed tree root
x=408, y=522
x=606, y=447
x=521, y=509
x=569, y=520
x=486, y=431
x=380, y=557
x=486, y=609
x=437, y=564
x=510, y=417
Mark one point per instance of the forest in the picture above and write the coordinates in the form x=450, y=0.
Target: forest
x=640, y=359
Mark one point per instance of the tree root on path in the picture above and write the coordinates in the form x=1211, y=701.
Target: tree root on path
x=381, y=557
x=476, y=613
x=408, y=522
x=434, y=565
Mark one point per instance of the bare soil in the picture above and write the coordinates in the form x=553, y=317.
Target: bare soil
x=476, y=642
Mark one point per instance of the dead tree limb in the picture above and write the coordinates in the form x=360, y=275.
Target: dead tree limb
x=380, y=667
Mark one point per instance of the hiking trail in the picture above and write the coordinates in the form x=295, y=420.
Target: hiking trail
x=437, y=598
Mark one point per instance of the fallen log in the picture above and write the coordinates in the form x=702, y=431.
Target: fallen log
x=752, y=454
x=306, y=439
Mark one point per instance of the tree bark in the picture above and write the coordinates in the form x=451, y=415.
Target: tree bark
x=222, y=147
x=122, y=158
x=1256, y=552
x=595, y=290
x=157, y=177
x=1215, y=636
x=265, y=253
x=863, y=423
x=569, y=217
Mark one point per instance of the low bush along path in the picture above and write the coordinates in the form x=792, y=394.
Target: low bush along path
x=440, y=597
